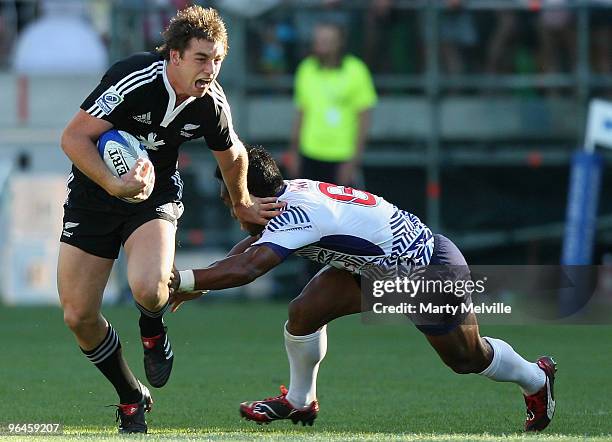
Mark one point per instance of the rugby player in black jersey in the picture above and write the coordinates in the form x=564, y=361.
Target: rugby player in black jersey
x=163, y=98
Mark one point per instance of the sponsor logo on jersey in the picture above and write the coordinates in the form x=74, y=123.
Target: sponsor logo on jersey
x=109, y=100
x=151, y=142
x=293, y=229
x=144, y=118
x=186, y=134
x=67, y=226
x=190, y=126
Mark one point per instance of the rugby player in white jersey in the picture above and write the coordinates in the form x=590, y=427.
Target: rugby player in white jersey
x=353, y=232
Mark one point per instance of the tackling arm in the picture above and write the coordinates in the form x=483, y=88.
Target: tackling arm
x=236, y=270
x=233, y=271
x=239, y=268
x=243, y=245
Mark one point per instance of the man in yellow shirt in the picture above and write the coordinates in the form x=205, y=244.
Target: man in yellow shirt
x=334, y=94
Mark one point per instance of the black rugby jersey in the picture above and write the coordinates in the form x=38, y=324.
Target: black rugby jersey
x=136, y=96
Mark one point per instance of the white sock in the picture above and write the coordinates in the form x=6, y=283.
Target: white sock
x=304, y=353
x=508, y=366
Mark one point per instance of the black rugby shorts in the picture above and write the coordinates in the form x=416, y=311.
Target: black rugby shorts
x=101, y=233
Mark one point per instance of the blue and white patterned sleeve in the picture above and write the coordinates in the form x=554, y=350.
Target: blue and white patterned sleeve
x=289, y=232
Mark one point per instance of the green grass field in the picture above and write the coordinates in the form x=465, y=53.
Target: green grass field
x=376, y=383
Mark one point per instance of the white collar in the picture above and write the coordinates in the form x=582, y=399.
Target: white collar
x=171, y=112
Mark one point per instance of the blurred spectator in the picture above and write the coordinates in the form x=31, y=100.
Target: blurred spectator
x=100, y=17
x=6, y=34
x=458, y=34
x=158, y=14
x=321, y=11
x=250, y=8
x=334, y=94
x=389, y=46
x=273, y=59
x=601, y=36
x=511, y=45
x=15, y=15
x=510, y=48
x=280, y=38
x=500, y=41
x=27, y=11
x=556, y=37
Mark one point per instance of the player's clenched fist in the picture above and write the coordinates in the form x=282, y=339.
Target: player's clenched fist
x=138, y=183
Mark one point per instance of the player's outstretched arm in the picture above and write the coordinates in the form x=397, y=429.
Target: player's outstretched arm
x=233, y=271
x=243, y=245
x=234, y=164
x=236, y=270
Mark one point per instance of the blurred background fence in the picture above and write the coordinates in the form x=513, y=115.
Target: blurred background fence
x=481, y=105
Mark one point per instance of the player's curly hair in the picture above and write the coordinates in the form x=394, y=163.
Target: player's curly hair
x=264, y=178
x=193, y=22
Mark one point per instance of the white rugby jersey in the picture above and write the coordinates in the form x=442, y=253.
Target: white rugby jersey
x=346, y=228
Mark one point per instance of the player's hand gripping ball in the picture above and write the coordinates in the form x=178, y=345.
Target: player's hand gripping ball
x=120, y=151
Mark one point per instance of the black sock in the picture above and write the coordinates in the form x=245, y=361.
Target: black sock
x=151, y=323
x=108, y=358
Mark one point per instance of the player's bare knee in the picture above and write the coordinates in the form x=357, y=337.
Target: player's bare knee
x=296, y=309
x=150, y=293
x=79, y=320
x=299, y=314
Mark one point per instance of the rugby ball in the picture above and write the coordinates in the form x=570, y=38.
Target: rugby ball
x=120, y=150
